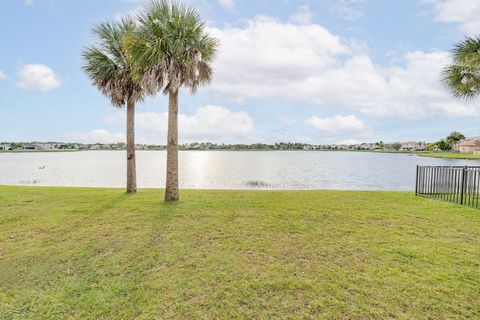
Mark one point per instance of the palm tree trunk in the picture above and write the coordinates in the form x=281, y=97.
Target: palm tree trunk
x=131, y=165
x=171, y=189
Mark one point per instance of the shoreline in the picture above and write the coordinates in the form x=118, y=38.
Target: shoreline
x=37, y=151
x=160, y=189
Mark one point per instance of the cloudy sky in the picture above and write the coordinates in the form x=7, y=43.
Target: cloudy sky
x=318, y=71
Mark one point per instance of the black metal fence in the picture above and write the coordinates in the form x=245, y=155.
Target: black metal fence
x=459, y=185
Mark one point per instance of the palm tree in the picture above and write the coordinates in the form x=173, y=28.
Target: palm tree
x=172, y=50
x=110, y=68
x=462, y=77
x=454, y=138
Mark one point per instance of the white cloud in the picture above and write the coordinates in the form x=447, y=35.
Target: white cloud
x=37, y=77
x=210, y=123
x=3, y=76
x=410, y=91
x=339, y=125
x=307, y=63
x=95, y=136
x=347, y=9
x=227, y=4
x=267, y=54
x=302, y=16
x=466, y=13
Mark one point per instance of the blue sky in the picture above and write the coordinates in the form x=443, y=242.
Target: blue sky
x=320, y=71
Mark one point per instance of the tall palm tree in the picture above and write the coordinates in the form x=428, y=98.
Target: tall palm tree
x=110, y=68
x=462, y=77
x=172, y=50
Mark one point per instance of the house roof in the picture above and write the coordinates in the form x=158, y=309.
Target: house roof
x=473, y=141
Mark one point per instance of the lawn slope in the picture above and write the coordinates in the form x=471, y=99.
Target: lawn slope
x=450, y=155
x=72, y=253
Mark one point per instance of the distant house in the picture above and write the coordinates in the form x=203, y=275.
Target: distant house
x=141, y=147
x=31, y=147
x=354, y=147
x=95, y=147
x=365, y=146
x=413, y=146
x=4, y=147
x=468, y=145
x=39, y=146
x=47, y=146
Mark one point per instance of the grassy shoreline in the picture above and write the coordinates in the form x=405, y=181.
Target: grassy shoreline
x=430, y=154
x=451, y=155
x=83, y=253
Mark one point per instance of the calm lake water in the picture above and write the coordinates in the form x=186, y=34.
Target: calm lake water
x=221, y=170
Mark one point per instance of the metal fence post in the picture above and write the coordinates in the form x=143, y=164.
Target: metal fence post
x=462, y=186
x=417, y=182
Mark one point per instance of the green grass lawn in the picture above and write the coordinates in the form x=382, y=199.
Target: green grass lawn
x=450, y=155
x=72, y=253
x=431, y=154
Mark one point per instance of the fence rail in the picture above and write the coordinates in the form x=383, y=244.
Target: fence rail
x=459, y=185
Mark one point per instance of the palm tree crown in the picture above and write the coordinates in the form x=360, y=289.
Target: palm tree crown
x=108, y=64
x=172, y=48
x=462, y=77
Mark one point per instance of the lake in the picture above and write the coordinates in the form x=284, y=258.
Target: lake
x=221, y=169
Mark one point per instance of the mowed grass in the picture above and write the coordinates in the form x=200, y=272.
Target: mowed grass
x=450, y=155
x=72, y=253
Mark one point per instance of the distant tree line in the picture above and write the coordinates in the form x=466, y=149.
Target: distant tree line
x=444, y=144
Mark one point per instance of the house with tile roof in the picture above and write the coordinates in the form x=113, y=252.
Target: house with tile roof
x=468, y=145
x=413, y=146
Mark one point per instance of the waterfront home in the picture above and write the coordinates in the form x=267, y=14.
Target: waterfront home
x=40, y=146
x=141, y=147
x=354, y=147
x=47, y=145
x=31, y=147
x=96, y=146
x=468, y=145
x=367, y=146
x=413, y=146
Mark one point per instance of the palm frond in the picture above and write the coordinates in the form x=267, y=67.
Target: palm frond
x=108, y=64
x=462, y=77
x=172, y=48
x=462, y=82
x=467, y=52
